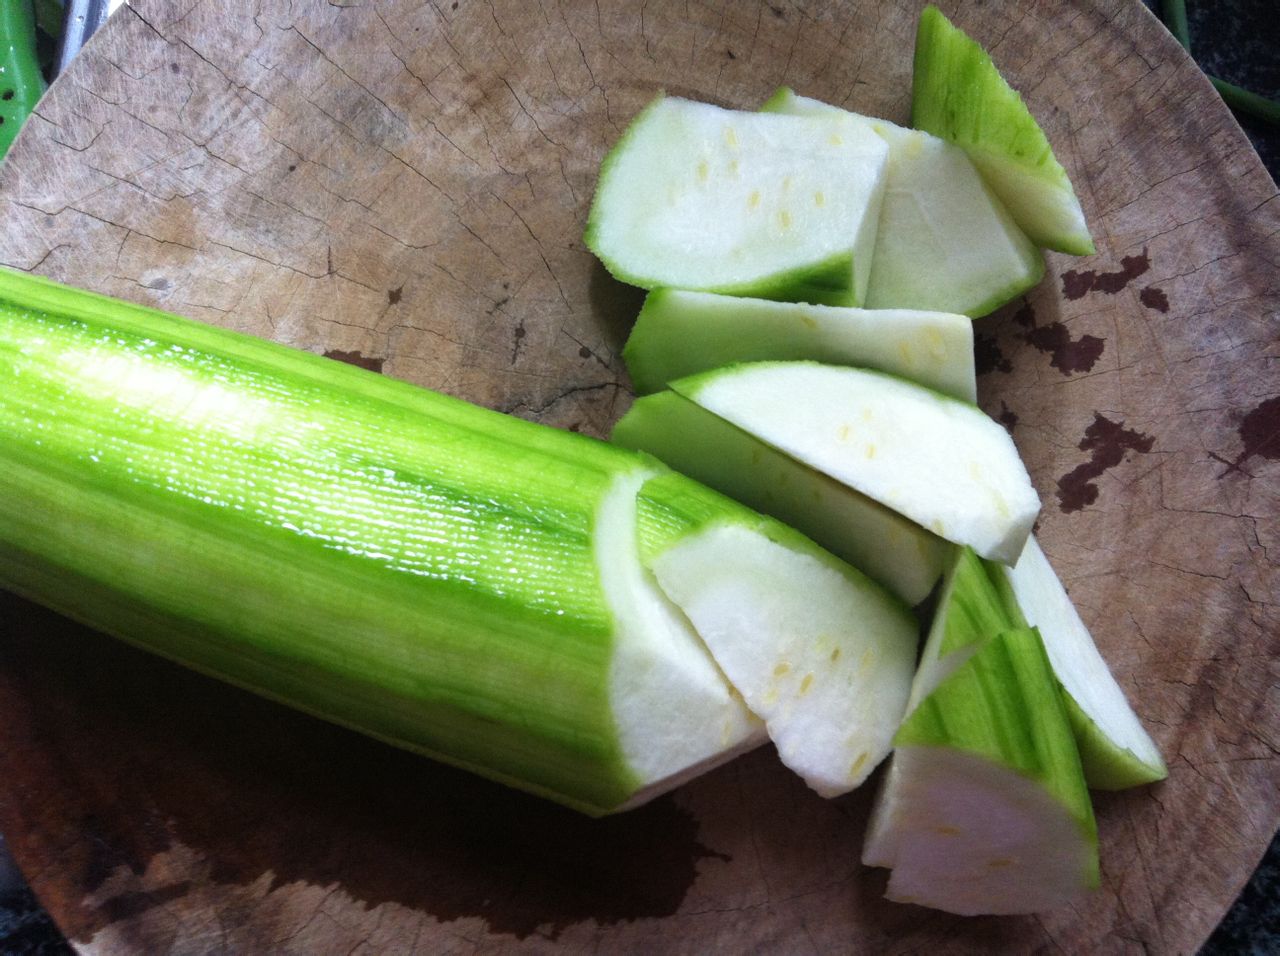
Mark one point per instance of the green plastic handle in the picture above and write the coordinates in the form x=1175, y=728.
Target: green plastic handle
x=21, y=83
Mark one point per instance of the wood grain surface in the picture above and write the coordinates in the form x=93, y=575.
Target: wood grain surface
x=403, y=185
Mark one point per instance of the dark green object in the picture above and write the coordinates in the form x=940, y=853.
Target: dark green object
x=21, y=83
x=1174, y=14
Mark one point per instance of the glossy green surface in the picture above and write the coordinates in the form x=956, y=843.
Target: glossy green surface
x=395, y=560
x=21, y=84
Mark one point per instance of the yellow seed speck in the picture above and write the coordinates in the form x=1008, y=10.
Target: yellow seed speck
x=784, y=219
x=809, y=321
x=786, y=183
x=806, y=684
x=704, y=171
x=753, y=201
x=835, y=140
x=819, y=199
x=843, y=433
x=782, y=669
x=904, y=352
x=733, y=167
x=867, y=415
x=730, y=137
x=871, y=451
x=857, y=764
x=835, y=655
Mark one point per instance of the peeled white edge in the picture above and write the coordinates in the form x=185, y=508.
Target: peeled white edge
x=1042, y=202
x=675, y=713
x=940, y=462
x=1078, y=665
x=822, y=654
x=679, y=333
x=965, y=835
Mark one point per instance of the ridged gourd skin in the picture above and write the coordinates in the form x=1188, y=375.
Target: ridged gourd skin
x=388, y=558
x=984, y=809
x=959, y=95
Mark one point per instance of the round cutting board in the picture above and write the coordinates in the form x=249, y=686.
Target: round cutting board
x=404, y=185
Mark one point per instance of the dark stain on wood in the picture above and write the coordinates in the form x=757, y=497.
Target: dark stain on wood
x=1153, y=297
x=987, y=356
x=1007, y=417
x=358, y=359
x=1067, y=355
x=395, y=295
x=1259, y=435
x=1107, y=441
x=1260, y=431
x=1078, y=283
x=255, y=788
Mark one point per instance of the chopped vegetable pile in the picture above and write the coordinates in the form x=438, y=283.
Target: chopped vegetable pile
x=591, y=621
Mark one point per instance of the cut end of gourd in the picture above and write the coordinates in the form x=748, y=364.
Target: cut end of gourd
x=821, y=653
x=960, y=96
x=698, y=197
x=965, y=835
x=676, y=715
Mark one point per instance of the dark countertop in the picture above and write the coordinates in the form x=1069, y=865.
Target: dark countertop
x=1237, y=41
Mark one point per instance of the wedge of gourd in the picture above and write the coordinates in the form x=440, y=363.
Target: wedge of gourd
x=890, y=549
x=780, y=207
x=938, y=461
x=822, y=654
x=680, y=333
x=984, y=809
x=945, y=242
x=959, y=95
x=1116, y=750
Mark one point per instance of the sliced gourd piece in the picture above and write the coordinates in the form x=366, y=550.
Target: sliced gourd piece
x=884, y=545
x=938, y=461
x=960, y=96
x=819, y=651
x=680, y=333
x=945, y=241
x=779, y=207
x=984, y=807
x=985, y=810
x=1115, y=749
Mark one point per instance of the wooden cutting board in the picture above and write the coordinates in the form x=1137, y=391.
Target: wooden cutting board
x=403, y=185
